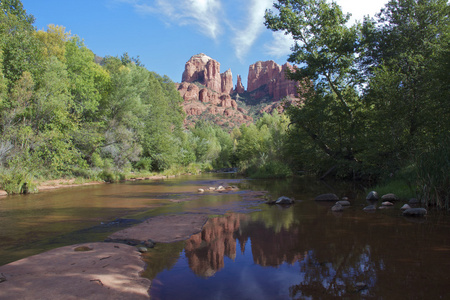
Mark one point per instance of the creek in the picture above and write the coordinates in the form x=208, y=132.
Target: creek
x=247, y=249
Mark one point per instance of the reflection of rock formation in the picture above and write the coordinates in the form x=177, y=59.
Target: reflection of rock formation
x=205, y=251
x=270, y=248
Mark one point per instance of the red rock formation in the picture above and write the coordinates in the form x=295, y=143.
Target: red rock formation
x=227, y=82
x=225, y=101
x=205, y=70
x=194, y=108
x=270, y=78
x=281, y=87
x=203, y=96
x=261, y=73
x=188, y=91
x=266, y=80
x=194, y=67
x=239, y=86
x=212, y=77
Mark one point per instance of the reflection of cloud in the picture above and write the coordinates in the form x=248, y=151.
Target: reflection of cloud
x=203, y=14
x=280, y=45
x=246, y=37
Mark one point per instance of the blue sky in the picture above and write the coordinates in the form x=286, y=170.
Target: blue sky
x=166, y=33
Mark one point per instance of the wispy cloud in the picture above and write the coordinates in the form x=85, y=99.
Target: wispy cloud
x=203, y=14
x=280, y=45
x=246, y=37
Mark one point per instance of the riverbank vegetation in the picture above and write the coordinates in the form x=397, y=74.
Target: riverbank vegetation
x=378, y=92
x=375, y=105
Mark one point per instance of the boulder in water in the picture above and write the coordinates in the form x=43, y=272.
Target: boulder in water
x=389, y=197
x=343, y=202
x=337, y=207
x=327, y=197
x=283, y=200
x=372, y=196
x=415, y=212
x=370, y=208
x=405, y=206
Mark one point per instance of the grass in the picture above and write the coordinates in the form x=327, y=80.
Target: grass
x=400, y=187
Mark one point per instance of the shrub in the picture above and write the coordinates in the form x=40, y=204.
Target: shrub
x=15, y=181
x=433, y=176
x=270, y=169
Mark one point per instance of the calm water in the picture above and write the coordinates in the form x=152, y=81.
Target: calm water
x=248, y=250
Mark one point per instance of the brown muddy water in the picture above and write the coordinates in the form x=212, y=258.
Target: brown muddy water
x=247, y=249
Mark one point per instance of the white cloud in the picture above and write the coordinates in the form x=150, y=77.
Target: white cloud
x=246, y=37
x=203, y=14
x=359, y=8
x=280, y=45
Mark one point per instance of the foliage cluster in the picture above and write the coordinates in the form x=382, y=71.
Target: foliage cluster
x=378, y=91
x=63, y=114
x=376, y=105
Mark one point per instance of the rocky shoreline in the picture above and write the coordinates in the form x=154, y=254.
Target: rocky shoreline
x=101, y=270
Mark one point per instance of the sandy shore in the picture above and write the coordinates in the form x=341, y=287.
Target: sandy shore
x=69, y=183
x=100, y=270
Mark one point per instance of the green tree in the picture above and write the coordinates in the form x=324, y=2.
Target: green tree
x=408, y=51
x=163, y=137
x=88, y=81
x=15, y=7
x=326, y=52
x=21, y=49
x=124, y=111
x=260, y=147
x=54, y=41
x=409, y=91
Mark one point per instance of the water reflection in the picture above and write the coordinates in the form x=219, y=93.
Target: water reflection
x=307, y=252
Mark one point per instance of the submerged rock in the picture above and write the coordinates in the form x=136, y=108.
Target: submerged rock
x=337, y=207
x=327, y=197
x=370, y=208
x=405, y=206
x=415, y=212
x=389, y=197
x=343, y=202
x=142, y=249
x=283, y=200
x=372, y=196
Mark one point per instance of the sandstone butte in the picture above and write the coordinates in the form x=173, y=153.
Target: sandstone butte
x=207, y=91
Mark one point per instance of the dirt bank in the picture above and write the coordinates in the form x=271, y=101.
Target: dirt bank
x=68, y=183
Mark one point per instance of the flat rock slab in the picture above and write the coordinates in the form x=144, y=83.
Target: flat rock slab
x=164, y=229
x=107, y=271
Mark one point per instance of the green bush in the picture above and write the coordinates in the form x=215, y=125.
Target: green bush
x=109, y=175
x=270, y=169
x=15, y=181
x=433, y=176
x=400, y=187
x=145, y=163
